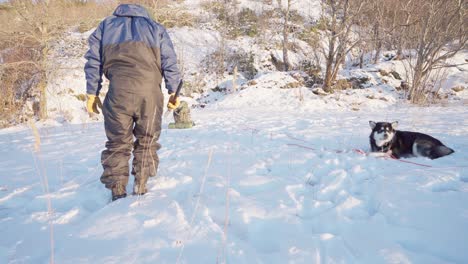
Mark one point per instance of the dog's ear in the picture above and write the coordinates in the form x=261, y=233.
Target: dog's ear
x=395, y=125
x=372, y=124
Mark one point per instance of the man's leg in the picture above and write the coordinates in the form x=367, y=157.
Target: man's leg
x=115, y=158
x=147, y=131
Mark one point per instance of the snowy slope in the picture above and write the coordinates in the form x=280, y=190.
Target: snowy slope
x=194, y=46
x=248, y=184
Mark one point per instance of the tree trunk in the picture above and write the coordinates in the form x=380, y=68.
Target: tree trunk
x=286, y=66
x=378, y=42
x=285, y=49
x=399, y=53
x=42, y=87
x=328, y=81
x=361, y=60
x=415, y=91
x=234, y=80
x=418, y=68
x=329, y=57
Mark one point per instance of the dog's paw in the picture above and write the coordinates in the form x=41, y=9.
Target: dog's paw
x=381, y=154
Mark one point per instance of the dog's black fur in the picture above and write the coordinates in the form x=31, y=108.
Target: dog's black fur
x=402, y=144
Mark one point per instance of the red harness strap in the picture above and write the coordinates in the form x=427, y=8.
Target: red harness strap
x=410, y=162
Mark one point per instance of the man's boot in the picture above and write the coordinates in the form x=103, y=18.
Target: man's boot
x=118, y=191
x=139, y=188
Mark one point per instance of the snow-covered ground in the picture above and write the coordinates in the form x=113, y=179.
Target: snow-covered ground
x=248, y=184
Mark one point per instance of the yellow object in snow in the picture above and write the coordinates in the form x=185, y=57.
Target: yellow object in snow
x=93, y=103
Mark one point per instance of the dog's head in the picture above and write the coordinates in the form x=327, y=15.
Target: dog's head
x=383, y=132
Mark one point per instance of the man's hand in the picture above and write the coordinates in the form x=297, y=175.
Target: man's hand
x=174, y=102
x=93, y=103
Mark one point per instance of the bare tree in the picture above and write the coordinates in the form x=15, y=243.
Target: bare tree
x=402, y=18
x=285, y=12
x=339, y=16
x=363, y=45
x=440, y=31
x=39, y=25
x=378, y=17
x=33, y=27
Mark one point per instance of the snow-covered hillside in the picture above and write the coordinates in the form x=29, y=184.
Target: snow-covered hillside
x=67, y=85
x=374, y=86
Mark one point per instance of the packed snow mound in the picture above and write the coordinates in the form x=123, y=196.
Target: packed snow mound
x=280, y=80
x=456, y=76
x=193, y=45
x=282, y=90
x=453, y=77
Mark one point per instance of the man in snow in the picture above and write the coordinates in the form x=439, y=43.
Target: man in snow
x=134, y=53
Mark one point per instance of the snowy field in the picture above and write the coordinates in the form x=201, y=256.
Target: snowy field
x=267, y=175
x=245, y=185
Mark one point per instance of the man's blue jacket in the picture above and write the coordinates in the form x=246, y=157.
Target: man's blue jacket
x=129, y=48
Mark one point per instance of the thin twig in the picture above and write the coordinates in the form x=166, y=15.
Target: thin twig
x=194, y=213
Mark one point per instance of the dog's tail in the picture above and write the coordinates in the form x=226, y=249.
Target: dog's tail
x=441, y=151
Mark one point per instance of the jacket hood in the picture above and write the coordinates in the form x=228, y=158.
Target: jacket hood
x=128, y=10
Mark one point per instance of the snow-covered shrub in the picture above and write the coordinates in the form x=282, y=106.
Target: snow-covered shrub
x=171, y=16
x=310, y=35
x=195, y=84
x=342, y=84
x=222, y=60
x=214, y=63
x=248, y=22
x=245, y=62
x=232, y=22
x=312, y=72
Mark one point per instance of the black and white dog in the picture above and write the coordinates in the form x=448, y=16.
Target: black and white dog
x=401, y=144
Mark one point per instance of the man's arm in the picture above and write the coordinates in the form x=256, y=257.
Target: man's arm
x=93, y=67
x=169, y=67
